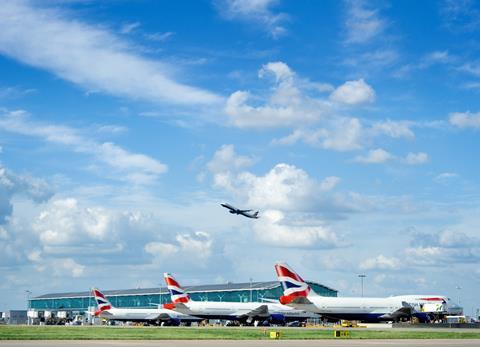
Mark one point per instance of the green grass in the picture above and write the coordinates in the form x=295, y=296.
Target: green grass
x=169, y=333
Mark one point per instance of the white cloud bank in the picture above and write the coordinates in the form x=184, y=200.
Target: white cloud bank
x=353, y=93
x=88, y=56
x=465, y=120
x=135, y=167
x=257, y=11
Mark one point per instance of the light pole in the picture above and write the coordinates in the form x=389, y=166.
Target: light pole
x=458, y=295
x=28, y=292
x=251, y=289
x=362, y=276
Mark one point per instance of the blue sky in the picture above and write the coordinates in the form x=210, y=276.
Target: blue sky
x=352, y=126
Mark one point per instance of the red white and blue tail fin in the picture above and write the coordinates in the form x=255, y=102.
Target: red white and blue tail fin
x=177, y=294
x=102, y=302
x=294, y=287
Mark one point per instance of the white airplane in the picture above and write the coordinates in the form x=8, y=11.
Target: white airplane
x=299, y=295
x=152, y=315
x=246, y=312
x=246, y=213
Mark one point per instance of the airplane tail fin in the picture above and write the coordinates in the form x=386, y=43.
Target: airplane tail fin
x=294, y=287
x=102, y=302
x=255, y=214
x=177, y=294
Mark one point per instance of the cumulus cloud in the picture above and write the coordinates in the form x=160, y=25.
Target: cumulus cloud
x=197, y=244
x=135, y=167
x=393, y=129
x=89, y=56
x=346, y=134
x=448, y=246
x=416, y=158
x=257, y=11
x=273, y=229
x=286, y=188
x=374, y=156
x=64, y=222
x=225, y=159
x=353, y=93
x=363, y=23
x=381, y=262
x=464, y=120
x=288, y=104
x=12, y=184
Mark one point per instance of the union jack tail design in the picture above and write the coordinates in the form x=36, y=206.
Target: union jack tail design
x=293, y=285
x=102, y=302
x=177, y=294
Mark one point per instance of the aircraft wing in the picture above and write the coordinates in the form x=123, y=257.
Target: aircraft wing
x=242, y=211
x=405, y=311
x=260, y=311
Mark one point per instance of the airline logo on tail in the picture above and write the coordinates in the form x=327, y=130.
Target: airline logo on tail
x=177, y=294
x=293, y=285
x=102, y=302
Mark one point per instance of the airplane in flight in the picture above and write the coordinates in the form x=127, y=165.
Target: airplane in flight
x=152, y=315
x=245, y=213
x=300, y=295
x=245, y=312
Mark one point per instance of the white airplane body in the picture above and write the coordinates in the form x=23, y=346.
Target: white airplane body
x=246, y=213
x=243, y=311
x=107, y=311
x=299, y=295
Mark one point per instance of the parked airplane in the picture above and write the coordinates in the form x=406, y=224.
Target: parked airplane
x=152, y=315
x=246, y=312
x=245, y=213
x=299, y=295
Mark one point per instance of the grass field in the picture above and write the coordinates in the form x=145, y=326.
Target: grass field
x=164, y=333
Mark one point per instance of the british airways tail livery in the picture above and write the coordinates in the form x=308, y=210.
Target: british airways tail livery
x=294, y=287
x=176, y=291
x=102, y=302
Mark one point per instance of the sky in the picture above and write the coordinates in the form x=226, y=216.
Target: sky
x=352, y=126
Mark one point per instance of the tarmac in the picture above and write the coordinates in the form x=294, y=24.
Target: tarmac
x=248, y=343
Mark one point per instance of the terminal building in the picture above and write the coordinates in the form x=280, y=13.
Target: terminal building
x=79, y=302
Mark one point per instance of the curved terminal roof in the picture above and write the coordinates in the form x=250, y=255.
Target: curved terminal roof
x=191, y=289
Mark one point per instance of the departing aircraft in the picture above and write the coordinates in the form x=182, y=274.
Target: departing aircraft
x=299, y=295
x=246, y=312
x=245, y=213
x=152, y=315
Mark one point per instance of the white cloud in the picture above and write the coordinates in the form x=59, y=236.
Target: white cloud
x=288, y=105
x=64, y=222
x=160, y=37
x=225, y=159
x=89, y=56
x=273, y=229
x=259, y=11
x=329, y=183
x=127, y=28
x=393, y=129
x=197, y=245
x=136, y=167
x=445, y=176
x=448, y=246
x=362, y=24
x=381, y=262
x=353, y=93
x=416, y=158
x=465, y=120
x=374, y=156
x=12, y=184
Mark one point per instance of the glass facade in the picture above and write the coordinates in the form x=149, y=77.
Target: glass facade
x=81, y=303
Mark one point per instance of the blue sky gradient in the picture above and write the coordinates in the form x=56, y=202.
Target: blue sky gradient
x=351, y=125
